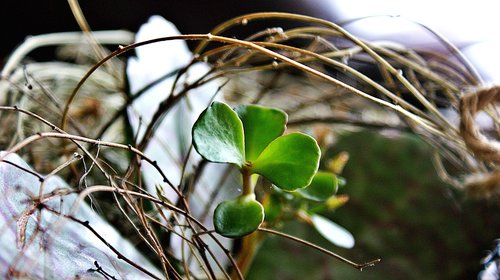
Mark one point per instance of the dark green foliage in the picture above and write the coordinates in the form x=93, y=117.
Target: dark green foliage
x=400, y=211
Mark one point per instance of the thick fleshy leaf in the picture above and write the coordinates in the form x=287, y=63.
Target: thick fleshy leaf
x=261, y=125
x=238, y=217
x=322, y=187
x=289, y=162
x=218, y=135
x=333, y=232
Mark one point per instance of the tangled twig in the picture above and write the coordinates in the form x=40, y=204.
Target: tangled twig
x=484, y=148
x=470, y=104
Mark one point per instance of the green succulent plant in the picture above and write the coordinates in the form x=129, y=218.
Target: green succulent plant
x=251, y=137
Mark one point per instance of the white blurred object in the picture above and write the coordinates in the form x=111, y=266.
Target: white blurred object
x=155, y=60
x=470, y=25
x=169, y=145
x=60, y=249
x=491, y=263
x=485, y=57
x=333, y=232
x=483, y=120
x=491, y=272
x=462, y=22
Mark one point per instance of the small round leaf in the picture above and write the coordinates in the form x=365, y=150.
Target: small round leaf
x=333, y=232
x=322, y=187
x=238, y=217
x=218, y=135
x=289, y=162
x=261, y=125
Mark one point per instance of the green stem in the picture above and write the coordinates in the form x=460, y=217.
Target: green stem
x=250, y=242
x=247, y=180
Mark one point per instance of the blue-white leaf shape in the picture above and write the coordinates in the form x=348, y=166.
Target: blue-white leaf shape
x=333, y=232
x=65, y=249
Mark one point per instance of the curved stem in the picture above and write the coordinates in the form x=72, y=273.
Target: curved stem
x=297, y=17
x=270, y=53
x=307, y=243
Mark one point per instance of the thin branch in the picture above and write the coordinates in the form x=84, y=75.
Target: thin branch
x=349, y=121
x=40, y=178
x=287, y=60
x=103, y=240
x=309, y=244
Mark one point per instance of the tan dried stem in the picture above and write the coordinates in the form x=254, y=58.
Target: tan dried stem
x=470, y=104
x=483, y=185
x=480, y=185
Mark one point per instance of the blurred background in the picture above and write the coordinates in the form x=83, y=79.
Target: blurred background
x=471, y=26
x=398, y=209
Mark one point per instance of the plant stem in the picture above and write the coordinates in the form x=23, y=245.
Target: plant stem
x=250, y=242
x=247, y=180
x=249, y=248
x=304, y=242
